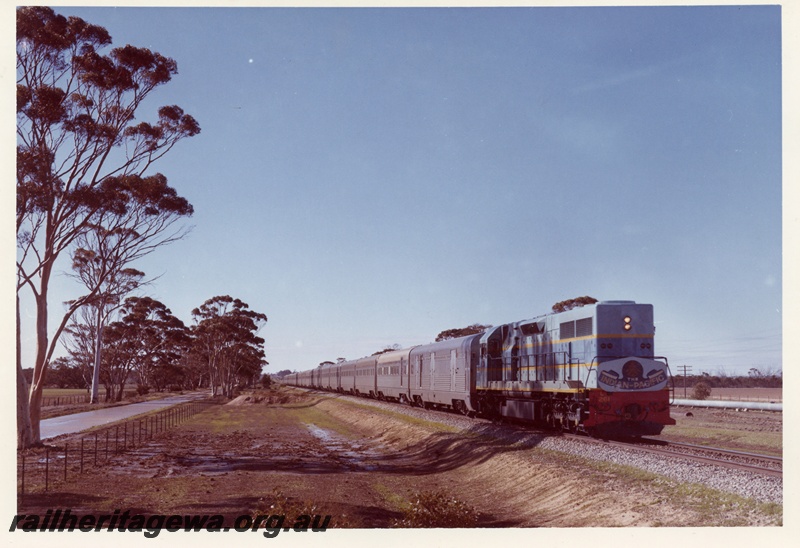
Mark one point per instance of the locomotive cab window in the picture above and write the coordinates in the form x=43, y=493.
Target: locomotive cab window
x=533, y=328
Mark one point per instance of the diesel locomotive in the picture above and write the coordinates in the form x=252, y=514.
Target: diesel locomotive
x=591, y=369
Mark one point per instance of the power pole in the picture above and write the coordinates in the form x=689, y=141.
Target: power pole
x=686, y=369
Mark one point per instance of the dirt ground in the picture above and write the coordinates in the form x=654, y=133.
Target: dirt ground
x=294, y=452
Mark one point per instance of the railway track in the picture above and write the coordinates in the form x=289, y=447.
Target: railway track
x=761, y=464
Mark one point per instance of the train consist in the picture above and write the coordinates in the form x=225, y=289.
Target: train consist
x=590, y=369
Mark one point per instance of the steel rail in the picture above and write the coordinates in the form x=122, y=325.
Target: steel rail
x=663, y=447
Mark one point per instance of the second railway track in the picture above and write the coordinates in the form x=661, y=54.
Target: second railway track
x=761, y=464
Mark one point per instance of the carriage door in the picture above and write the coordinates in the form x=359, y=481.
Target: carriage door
x=453, y=369
x=433, y=369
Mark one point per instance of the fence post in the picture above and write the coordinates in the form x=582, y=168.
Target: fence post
x=23, y=474
x=66, y=445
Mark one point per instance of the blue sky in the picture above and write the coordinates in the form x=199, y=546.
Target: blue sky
x=369, y=177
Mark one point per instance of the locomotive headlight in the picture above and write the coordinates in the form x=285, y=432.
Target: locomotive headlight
x=627, y=320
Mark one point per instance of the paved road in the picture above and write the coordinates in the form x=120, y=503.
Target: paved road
x=69, y=424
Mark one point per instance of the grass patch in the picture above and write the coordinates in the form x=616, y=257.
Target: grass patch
x=725, y=509
x=226, y=418
x=389, y=495
x=55, y=392
x=767, y=442
x=402, y=417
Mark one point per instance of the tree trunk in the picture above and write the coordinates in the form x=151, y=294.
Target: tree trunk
x=40, y=366
x=97, y=357
x=121, y=386
x=24, y=431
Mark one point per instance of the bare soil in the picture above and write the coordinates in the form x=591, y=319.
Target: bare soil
x=297, y=452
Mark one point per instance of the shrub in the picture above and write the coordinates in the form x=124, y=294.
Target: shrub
x=437, y=509
x=701, y=391
x=278, y=504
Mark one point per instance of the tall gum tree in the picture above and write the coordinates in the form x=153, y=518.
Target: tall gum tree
x=142, y=222
x=225, y=335
x=78, y=141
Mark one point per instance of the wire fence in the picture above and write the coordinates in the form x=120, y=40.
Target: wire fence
x=41, y=469
x=71, y=399
x=722, y=394
x=65, y=400
x=777, y=399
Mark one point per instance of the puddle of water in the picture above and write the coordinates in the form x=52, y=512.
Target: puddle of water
x=352, y=454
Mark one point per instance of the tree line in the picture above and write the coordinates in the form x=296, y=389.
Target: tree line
x=87, y=198
x=755, y=378
x=150, y=347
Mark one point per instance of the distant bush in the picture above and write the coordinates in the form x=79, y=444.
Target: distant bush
x=701, y=391
x=437, y=509
x=142, y=389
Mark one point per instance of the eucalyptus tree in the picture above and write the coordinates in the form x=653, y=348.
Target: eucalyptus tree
x=111, y=284
x=158, y=340
x=225, y=335
x=144, y=220
x=80, y=154
x=78, y=340
x=462, y=332
x=569, y=304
